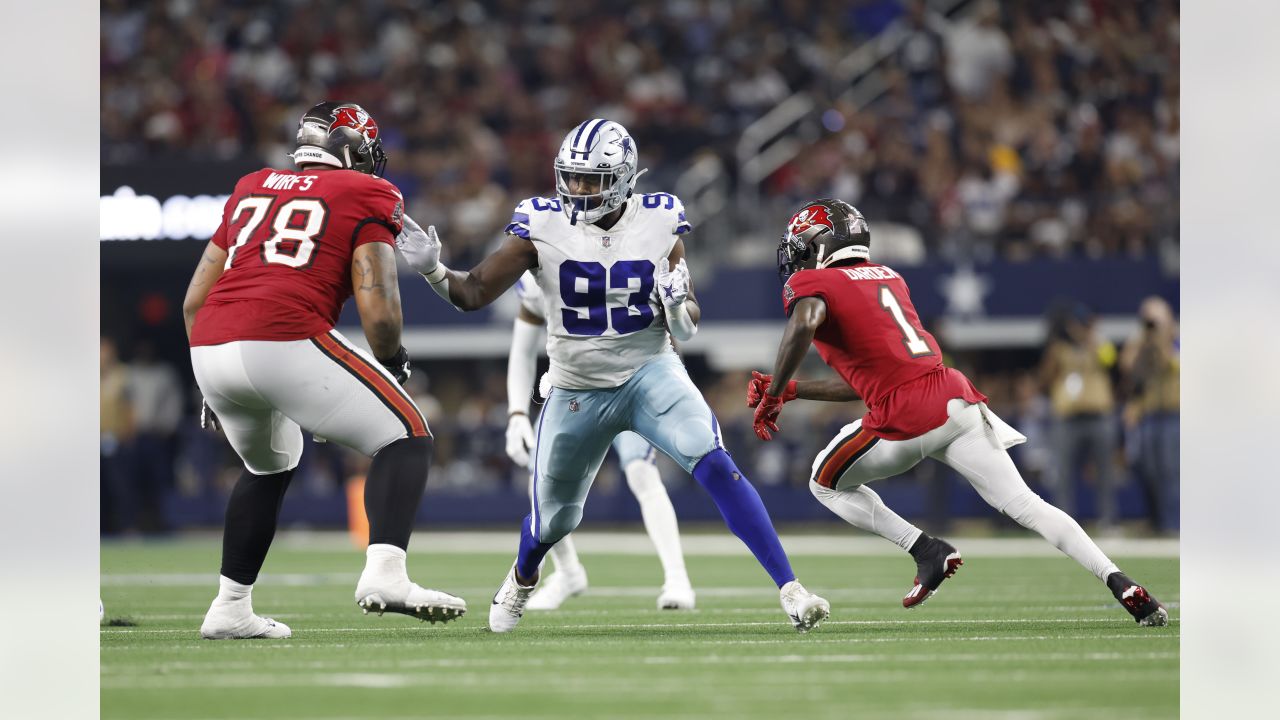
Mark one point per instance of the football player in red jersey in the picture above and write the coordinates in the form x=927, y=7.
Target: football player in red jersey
x=859, y=316
x=260, y=311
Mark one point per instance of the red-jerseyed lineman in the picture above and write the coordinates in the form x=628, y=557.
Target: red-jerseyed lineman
x=859, y=316
x=260, y=311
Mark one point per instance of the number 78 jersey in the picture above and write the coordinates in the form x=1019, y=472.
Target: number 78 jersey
x=604, y=320
x=289, y=237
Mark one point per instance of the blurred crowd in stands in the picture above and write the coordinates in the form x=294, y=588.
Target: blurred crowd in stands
x=999, y=129
x=1096, y=417
x=1015, y=128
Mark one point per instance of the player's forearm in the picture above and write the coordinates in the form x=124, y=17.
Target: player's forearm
x=682, y=320
x=522, y=365
x=791, y=353
x=831, y=390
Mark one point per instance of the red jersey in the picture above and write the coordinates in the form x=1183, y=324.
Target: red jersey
x=289, y=236
x=872, y=337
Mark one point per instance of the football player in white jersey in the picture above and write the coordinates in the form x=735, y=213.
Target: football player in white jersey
x=611, y=265
x=634, y=455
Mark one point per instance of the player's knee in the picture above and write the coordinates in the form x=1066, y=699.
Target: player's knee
x=1022, y=508
x=643, y=479
x=561, y=523
x=716, y=468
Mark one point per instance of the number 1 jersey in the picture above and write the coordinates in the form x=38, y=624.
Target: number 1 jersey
x=604, y=320
x=289, y=238
x=873, y=338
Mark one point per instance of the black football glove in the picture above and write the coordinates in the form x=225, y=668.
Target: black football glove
x=398, y=365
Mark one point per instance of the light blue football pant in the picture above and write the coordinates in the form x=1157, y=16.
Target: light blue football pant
x=576, y=427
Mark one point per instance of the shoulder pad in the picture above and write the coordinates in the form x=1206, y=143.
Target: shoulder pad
x=669, y=204
x=527, y=213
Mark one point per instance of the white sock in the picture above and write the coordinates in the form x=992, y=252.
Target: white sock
x=231, y=591
x=659, y=519
x=565, y=556
x=1033, y=513
x=385, y=561
x=862, y=508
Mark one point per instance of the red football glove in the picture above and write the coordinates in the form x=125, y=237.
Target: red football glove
x=766, y=418
x=759, y=384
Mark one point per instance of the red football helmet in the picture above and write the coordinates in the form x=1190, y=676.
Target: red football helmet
x=823, y=232
x=342, y=135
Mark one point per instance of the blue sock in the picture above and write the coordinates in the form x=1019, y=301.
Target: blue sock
x=743, y=512
x=531, y=551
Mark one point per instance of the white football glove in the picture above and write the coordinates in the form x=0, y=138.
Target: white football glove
x=519, y=439
x=673, y=283
x=208, y=420
x=420, y=249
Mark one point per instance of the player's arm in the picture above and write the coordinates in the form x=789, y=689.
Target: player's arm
x=208, y=270
x=465, y=290
x=377, y=292
x=830, y=390
x=806, y=317
x=675, y=289
x=522, y=361
x=522, y=368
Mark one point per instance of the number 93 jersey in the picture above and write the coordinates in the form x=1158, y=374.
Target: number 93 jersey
x=603, y=318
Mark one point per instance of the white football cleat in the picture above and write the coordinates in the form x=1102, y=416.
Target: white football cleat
x=677, y=597
x=408, y=598
x=509, y=603
x=558, y=587
x=805, y=609
x=234, y=620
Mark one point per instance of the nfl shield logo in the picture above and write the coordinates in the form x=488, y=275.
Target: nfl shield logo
x=573, y=406
x=605, y=241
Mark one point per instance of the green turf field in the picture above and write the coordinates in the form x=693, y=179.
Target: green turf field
x=1010, y=636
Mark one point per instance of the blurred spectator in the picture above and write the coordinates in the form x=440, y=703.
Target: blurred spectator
x=116, y=431
x=1149, y=363
x=157, y=399
x=1075, y=370
x=1018, y=128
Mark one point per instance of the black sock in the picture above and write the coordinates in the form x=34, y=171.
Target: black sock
x=921, y=543
x=393, y=490
x=250, y=524
x=1118, y=582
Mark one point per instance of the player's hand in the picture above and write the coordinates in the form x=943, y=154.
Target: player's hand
x=759, y=385
x=398, y=365
x=766, y=417
x=519, y=439
x=673, y=283
x=420, y=249
x=208, y=420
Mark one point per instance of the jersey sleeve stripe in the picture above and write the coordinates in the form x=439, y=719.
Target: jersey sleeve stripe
x=844, y=456
x=517, y=229
x=387, y=390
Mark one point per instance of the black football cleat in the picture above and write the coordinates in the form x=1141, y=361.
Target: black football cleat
x=1144, y=608
x=936, y=560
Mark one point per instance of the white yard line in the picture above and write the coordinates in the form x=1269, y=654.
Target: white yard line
x=394, y=680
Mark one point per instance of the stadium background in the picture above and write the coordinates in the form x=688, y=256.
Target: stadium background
x=1018, y=164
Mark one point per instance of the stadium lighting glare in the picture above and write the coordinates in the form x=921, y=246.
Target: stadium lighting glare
x=126, y=215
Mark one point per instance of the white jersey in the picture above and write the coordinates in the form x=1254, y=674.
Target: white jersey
x=595, y=287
